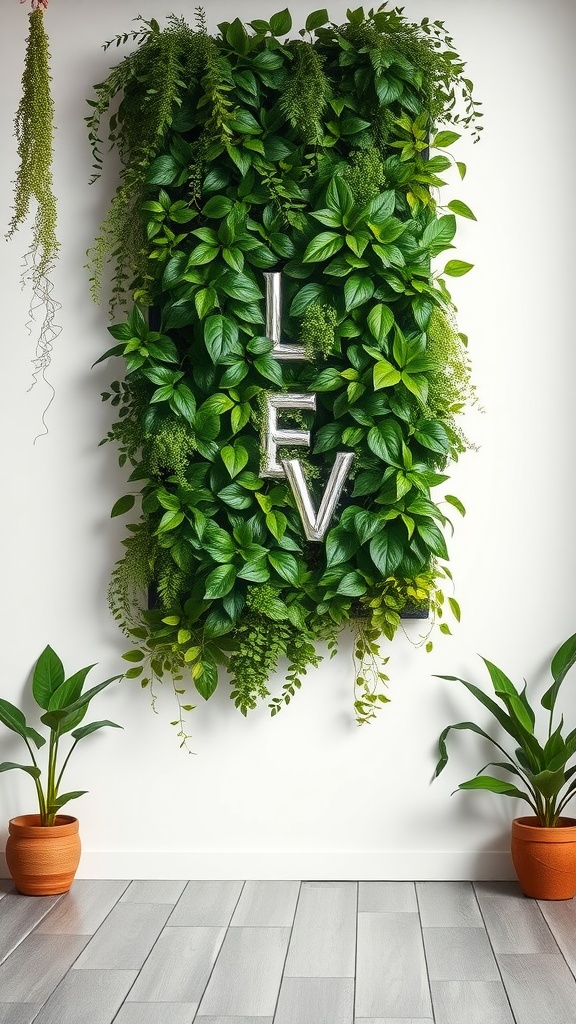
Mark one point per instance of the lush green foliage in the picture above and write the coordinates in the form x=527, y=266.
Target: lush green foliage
x=542, y=767
x=64, y=705
x=34, y=130
x=245, y=153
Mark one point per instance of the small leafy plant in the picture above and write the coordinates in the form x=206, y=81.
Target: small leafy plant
x=65, y=705
x=541, y=767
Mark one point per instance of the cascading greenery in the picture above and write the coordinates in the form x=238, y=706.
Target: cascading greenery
x=250, y=152
x=34, y=131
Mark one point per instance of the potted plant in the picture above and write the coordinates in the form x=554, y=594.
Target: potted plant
x=544, y=843
x=43, y=849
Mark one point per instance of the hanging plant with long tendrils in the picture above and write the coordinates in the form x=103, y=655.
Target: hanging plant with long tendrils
x=34, y=131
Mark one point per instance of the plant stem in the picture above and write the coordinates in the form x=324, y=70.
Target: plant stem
x=52, y=785
x=67, y=758
x=37, y=783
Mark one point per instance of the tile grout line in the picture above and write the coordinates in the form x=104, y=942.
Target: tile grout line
x=560, y=950
x=494, y=954
x=167, y=925
x=67, y=972
x=425, y=953
x=33, y=928
x=275, y=1011
x=355, y=953
x=226, y=930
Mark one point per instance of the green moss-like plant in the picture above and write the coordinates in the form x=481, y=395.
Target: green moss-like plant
x=318, y=158
x=33, y=186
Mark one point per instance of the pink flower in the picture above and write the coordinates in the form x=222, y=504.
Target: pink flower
x=37, y=5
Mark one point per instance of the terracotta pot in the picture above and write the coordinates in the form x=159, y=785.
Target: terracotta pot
x=43, y=859
x=545, y=858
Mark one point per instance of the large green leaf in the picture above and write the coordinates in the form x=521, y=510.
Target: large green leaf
x=432, y=435
x=467, y=726
x=561, y=663
x=164, y=170
x=281, y=23
x=548, y=783
x=270, y=369
x=7, y=766
x=48, y=676
x=327, y=380
x=218, y=543
x=366, y=525
x=386, y=375
x=235, y=496
x=69, y=690
x=65, y=798
x=53, y=719
x=218, y=622
x=445, y=138
x=276, y=522
x=379, y=551
x=504, y=687
x=254, y=571
x=527, y=743
x=317, y=19
x=339, y=196
x=322, y=247
x=461, y=209
x=439, y=234
x=220, y=582
x=358, y=289
x=207, y=682
x=237, y=37
x=205, y=300
x=13, y=719
x=488, y=782
x=304, y=296
x=243, y=122
x=352, y=585
x=340, y=546
x=380, y=321
x=239, y=286
x=234, y=458
x=203, y=253
x=457, y=268
x=432, y=537
x=178, y=314
x=285, y=565
x=329, y=436
x=385, y=441
x=123, y=505
x=234, y=375
x=217, y=207
x=221, y=337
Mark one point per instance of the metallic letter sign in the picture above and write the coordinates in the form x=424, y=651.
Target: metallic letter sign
x=282, y=349
x=315, y=523
x=275, y=436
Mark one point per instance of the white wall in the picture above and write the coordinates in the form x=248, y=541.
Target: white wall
x=306, y=794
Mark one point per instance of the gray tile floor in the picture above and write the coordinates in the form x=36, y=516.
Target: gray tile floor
x=165, y=952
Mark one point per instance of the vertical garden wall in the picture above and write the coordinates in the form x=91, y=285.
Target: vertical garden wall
x=290, y=368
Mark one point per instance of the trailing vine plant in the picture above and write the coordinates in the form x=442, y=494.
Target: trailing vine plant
x=319, y=158
x=34, y=131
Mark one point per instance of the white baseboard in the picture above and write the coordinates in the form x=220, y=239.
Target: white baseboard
x=314, y=865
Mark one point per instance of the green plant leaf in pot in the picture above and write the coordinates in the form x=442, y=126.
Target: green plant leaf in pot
x=544, y=769
x=65, y=705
